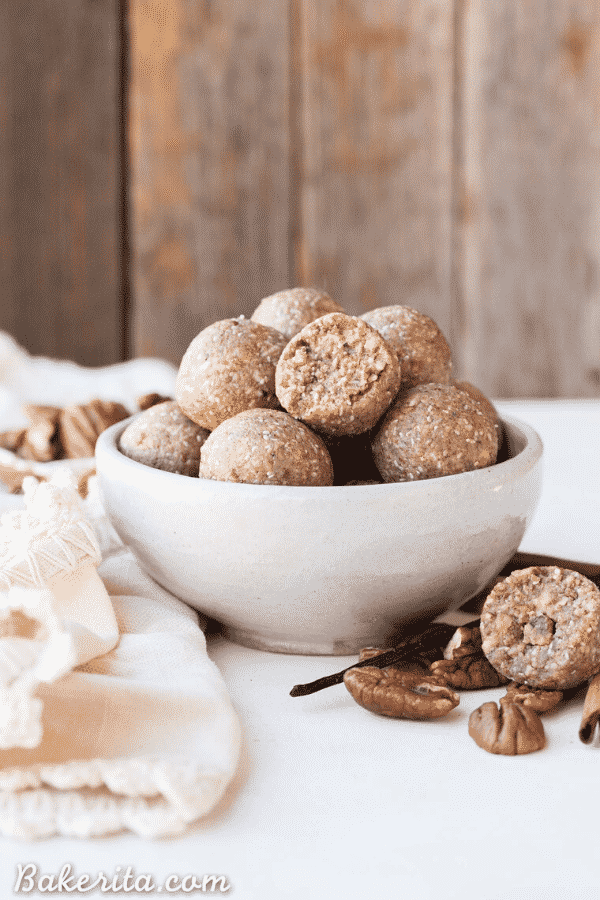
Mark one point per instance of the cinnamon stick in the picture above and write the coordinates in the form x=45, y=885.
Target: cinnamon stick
x=591, y=711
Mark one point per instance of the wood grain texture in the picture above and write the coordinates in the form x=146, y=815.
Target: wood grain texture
x=376, y=124
x=60, y=266
x=209, y=138
x=528, y=229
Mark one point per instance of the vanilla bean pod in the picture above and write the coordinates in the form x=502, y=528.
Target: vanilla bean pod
x=433, y=637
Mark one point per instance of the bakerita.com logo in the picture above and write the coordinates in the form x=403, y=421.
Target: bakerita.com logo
x=123, y=881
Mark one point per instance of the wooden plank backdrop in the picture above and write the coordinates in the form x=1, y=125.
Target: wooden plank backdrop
x=443, y=154
x=528, y=274
x=60, y=179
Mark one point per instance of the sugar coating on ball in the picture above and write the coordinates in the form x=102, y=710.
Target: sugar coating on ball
x=473, y=391
x=229, y=367
x=541, y=627
x=337, y=375
x=164, y=438
x=434, y=430
x=290, y=310
x=263, y=446
x=421, y=347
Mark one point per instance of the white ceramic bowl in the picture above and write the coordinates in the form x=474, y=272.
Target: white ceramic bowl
x=322, y=570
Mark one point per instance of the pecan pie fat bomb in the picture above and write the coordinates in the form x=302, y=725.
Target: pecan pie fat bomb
x=290, y=310
x=162, y=437
x=229, y=367
x=434, y=430
x=541, y=627
x=265, y=446
x=421, y=347
x=338, y=375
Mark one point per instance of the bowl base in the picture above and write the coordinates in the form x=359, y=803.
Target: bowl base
x=257, y=641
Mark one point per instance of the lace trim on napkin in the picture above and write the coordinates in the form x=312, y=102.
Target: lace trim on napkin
x=153, y=797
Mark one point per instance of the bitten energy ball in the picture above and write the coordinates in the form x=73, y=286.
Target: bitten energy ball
x=421, y=347
x=290, y=310
x=263, y=446
x=541, y=627
x=162, y=437
x=337, y=375
x=228, y=368
x=434, y=430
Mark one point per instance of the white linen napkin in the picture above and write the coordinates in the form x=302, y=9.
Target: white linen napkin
x=142, y=737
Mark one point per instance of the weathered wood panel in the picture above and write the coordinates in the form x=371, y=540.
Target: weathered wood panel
x=60, y=206
x=527, y=274
x=210, y=168
x=376, y=128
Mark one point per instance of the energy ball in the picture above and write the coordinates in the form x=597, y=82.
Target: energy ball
x=264, y=446
x=228, y=368
x=487, y=404
x=541, y=627
x=421, y=347
x=434, y=430
x=162, y=437
x=290, y=310
x=337, y=375
x=473, y=391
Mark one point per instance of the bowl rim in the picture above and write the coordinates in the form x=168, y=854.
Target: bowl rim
x=107, y=451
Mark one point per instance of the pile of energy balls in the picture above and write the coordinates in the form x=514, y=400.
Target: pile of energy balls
x=304, y=394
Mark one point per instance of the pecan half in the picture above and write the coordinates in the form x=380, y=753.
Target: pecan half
x=40, y=442
x=12, y=474
x=37, y=413
x=467, y=673
x=510, y=729
x=406, y=695
x=12, y=439
x=147, y=400
x=466, y=641
x=80, y=425
x=418, y=665
x=534, y=698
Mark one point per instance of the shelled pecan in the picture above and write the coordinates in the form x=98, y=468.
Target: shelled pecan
x=80, y=425
x=147, y=400
x=418, y=664
x=12, y=439
x=407, y=695
x=466, y=641
x=534, y=698
x=508, y=728
x=467, y=673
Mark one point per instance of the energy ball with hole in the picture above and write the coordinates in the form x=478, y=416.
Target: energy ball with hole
x=434, y=430
x=421, y=347
x=264, y=446
x=541, y=627
x=162, y=437
x=228, y=368
x=290, y=310
x=337, y=375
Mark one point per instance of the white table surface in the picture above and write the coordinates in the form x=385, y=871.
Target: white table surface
x=333, y=802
